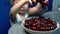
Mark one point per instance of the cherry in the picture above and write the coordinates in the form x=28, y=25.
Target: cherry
x=32, y=28
x=52, y=28
x=54, y=23
x=41, y=17
x=44, y=21
x=34, y=24
x=42, y=24
x=46, y=25
x=47, y=28
x=49, y=25
x=43, y=28
x=38, y=26
x=45, y=3
x=36, y=20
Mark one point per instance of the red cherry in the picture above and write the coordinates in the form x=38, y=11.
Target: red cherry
x=26, y=25
x=42, y=24
x=52, y=27
x=47, y=28
x=34, y=24
x=54, y=23
x=41, y=17
x=46, y=3
x=43, y=28
x=49, y=25
x=38, y=26
x=34, y=28
x=45, y=25
x=45, y=21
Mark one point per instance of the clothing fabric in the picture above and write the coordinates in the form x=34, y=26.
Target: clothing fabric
x=18, y=18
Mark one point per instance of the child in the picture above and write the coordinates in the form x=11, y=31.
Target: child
x=20, y=10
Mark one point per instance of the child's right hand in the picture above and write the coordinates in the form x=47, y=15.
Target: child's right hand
x=24, y=0
x=30, y=1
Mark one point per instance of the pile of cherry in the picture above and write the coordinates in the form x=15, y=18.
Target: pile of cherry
x=40, y=24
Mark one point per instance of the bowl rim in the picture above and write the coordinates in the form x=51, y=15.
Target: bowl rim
x=39, y=31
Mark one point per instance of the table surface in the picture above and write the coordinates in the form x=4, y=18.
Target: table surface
x=17, y=28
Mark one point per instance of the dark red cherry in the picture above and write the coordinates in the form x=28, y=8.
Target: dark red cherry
x=54, y=23
x=47, y=28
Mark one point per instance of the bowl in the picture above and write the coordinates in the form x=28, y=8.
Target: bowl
x=38, y=32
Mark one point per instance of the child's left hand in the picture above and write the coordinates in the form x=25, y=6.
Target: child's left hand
x=46, y=2
x=31, y=1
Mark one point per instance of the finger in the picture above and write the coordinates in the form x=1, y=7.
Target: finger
x=34, y=1
x=46, y=1
x=30, y=1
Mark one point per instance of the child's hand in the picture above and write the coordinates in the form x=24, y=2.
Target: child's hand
x=43, y=2
x=24, y=0
x=31, y=1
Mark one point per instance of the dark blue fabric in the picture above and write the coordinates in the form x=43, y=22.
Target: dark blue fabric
x=33, y=5
x=4, y=16
x=50, y=2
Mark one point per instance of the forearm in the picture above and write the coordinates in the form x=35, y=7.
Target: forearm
x=35, y=9
x=15, y=9
x=17, y=6
x=39, y=6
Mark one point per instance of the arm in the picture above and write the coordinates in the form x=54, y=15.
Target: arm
x=35, y=9
x=15, y=9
